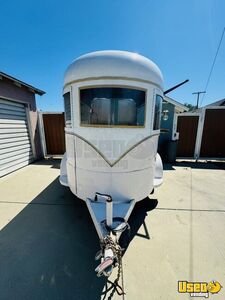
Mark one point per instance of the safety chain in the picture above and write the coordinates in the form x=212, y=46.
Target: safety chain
x=117, y=250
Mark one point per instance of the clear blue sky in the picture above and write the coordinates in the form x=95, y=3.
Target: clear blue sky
x=38, y=39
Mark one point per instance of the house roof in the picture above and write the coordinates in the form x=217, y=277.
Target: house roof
x=21, y=83
x=217, y=103
x=178, y=105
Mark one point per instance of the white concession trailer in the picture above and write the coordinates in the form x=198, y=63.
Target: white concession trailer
x=113, y=102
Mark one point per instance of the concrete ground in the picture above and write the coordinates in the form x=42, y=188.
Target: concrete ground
x=48, y=241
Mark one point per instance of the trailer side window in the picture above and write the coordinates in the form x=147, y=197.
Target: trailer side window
x=157, y=114
x=112, y=106
x=67, y=107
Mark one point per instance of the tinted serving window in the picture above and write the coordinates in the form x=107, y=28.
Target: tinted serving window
x=157, y=114
x=67, y=107
x=112, y=106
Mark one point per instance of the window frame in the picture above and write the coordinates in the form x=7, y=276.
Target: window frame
x=160, y=115
x=68, y=123
x=113, y=86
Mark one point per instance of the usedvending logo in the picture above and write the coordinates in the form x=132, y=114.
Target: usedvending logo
x=199, y=289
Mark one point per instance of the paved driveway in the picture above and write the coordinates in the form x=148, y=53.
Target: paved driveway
x=48, y=241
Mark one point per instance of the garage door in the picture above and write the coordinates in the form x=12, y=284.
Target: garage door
x=15, y=146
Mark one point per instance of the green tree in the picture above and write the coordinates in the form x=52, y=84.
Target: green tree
x=190, y=106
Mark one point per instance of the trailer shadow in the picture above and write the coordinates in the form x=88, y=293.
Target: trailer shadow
x=136, y=220
x=47, y=251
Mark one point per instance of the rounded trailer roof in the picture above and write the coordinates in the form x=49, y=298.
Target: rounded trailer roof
x=113, y=64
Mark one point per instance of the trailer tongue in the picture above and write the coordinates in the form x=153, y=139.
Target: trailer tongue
x=110, y=220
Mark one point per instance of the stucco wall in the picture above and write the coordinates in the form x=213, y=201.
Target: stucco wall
x=12, y=92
